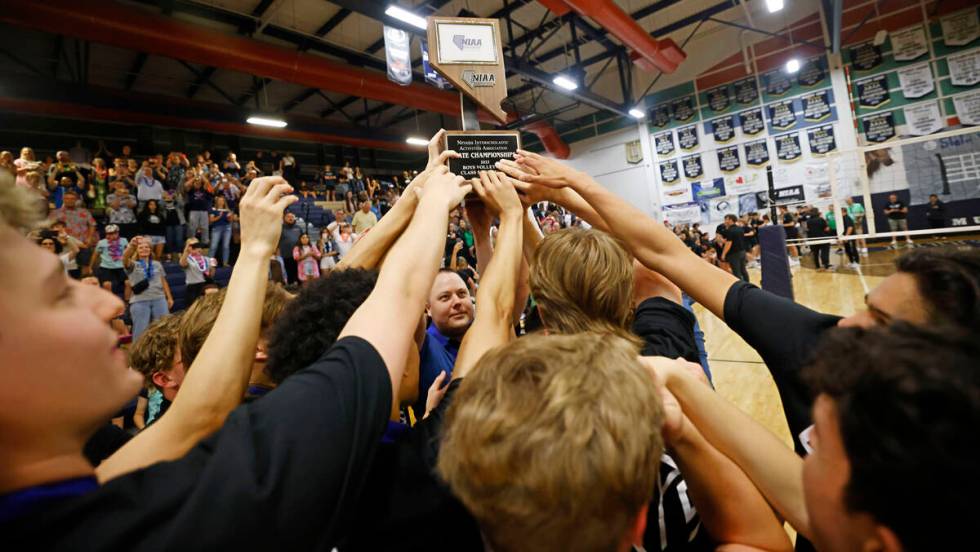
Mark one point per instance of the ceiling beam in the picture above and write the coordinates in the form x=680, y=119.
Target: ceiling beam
x=136, y=69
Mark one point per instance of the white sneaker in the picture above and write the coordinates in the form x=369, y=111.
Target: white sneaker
x=864, y=251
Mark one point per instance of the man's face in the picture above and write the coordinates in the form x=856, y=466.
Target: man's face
x=893, y=198
x=366, y=206
x=112, y=236
x=63, y=157
x=70, y=201
x=897, y=297
x=61, y=372
x=449, y=306
x=826, y=472
x=289, y=219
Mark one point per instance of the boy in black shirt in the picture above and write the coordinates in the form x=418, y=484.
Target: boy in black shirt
x=936, y=212
x=734, y=252
x=898, y=214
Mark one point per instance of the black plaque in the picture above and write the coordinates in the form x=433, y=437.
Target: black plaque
x=687, y=137
x=821, y=139
x=879, y=128
x=723, y=128
x=664, y=143
x=668, y=171
x=693, y=168
x=782, y=115
x=683, y=108
x=751, y=121
x=746, y=91
x=719, y=98
x=788, y=147
x=756, y=152
x=812, y=73
x=777, y=83
x=872, y=92
x=816, y=106
x=728, y=160
x=789, y=194
x=480, y=150
x=865, y=57
x=660, y=116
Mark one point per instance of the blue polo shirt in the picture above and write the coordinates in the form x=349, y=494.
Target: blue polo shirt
x=438, y=354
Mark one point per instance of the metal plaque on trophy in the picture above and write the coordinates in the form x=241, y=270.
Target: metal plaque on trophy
x=468, y=53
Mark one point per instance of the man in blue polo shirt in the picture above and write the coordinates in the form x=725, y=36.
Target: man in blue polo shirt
x=450, y=310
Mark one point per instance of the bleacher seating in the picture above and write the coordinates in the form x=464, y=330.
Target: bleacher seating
x=178, y=285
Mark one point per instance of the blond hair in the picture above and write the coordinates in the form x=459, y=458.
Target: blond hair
x=582, y=280
x=20, y=209
x=199, y=319
x=553, y=442
x=154, y=350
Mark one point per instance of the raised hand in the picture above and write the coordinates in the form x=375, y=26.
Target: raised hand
x=444, y=188
x=261, y=213
x=440, y=160
x=498, y=193
x=535, y=169
x=435, y=150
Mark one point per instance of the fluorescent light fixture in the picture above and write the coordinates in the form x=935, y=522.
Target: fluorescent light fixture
x=637, y=113
x=402, y=14
x=792, y=65
x=774, y=5
x=266, y=121
x=416, y=141
x=565, y=82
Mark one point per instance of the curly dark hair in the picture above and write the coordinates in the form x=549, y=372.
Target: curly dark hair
x=908, y=408
x=310, y=324
x=949, y=281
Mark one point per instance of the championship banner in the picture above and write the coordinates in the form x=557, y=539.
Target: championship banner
x=777, y=82
x=964, y=69
x=788, y=147
x=664, y=143
x=751, y=121
x=683, y=108
x=431, y=75
x=916, y=81
x=687, y=137
x=719, y=99
x=968, y=108
x=683, y=214
x=812, y=73
x=668, y=171
x=909, y=44
x=398, y=55
x=677, y=195
x=865, y=57
x=782, y=115
x=816, y=106
x=923, y=119
x=872, y=92
x=660, y=115
x=634, y=152
x=693, y=168
x=879, y=128
x=821, y=139
x=707, y=189
x=746, y=91
x=728, y=160
x=960, y=28
x=723, y=128
x=756, y=153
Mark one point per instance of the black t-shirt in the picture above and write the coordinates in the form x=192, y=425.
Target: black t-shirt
x=736, y=235
x=282, y=473
x=106, y=441
x=896, y=215
x=816, y=227
x=791, y=231
x=667, y=329
x=936, y=211
x=784, y=334
x=199, y=200
x=153, y=224
x=848, y=223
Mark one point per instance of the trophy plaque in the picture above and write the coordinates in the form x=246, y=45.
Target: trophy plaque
x=468, y=53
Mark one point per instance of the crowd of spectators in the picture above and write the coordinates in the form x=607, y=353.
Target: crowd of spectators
x=508, y=362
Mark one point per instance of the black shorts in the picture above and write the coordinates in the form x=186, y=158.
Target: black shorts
x=792, y=233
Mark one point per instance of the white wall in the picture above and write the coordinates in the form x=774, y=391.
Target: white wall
x=604, y=158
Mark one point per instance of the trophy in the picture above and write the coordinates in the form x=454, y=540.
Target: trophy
x=468, y=53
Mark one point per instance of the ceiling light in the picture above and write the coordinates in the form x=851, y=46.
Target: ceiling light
x=792, y=65
x=565, y=82
x=416, y=141
x=266, y=121
x=402, y=14
x=774, y=5
x=637, y=113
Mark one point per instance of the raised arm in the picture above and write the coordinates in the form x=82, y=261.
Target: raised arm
x=407, y=275
x=649, y=241
x=216, y=381
x=493, y=325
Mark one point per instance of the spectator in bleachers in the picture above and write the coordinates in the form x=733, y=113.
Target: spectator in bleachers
x=307, y=258
x=343, y=236
x=152, y=225
x=231, y=166
x=364, y=218
x=287, y=165
x=291, y=232
x=151, y=298
x=199, y=202
x=147, y=186
x=173, y=216
x=198, y=270
x=109, y=255
x=221, y=217
x=328, y=251
x=26, y=165
x=120, y=209
x=79, y=222
x=61, y=244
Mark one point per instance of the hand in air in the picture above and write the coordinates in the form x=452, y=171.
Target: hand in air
x=444, y=188
x=498, y=193
x=436, y=154
x=261, y=212
x=532, y=168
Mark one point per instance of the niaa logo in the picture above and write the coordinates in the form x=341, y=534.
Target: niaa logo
x=476, y=80
x=463, y=43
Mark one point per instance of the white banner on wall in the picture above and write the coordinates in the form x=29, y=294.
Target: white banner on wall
x=964, y=68
x=923, y=119
x=683, y=214
x=916, y=81
x=909, y=44
x=960, y=28
x=968, y=107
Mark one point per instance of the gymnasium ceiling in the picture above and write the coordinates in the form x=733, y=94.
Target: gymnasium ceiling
x=341, y=30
